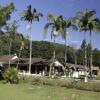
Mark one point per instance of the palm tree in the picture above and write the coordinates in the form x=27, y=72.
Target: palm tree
x=81, y=19
x=30, y=15
x=93, y=25
x=65, y=24
x=87, y=22
x=54, y=25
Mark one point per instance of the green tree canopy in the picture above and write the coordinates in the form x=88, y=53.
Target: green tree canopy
x=5, y=13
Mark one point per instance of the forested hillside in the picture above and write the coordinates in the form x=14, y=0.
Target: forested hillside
x=20, y=44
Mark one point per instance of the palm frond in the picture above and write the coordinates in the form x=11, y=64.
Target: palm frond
x=36, y=16
x=40, y=14
x=51, y=17
x=74, y=27
x=97, y=20
x=63, y=33
x=29, y=15
x=46, y=27
x=5, y=13
x=34, y=10
x=91, y=13
x=80, y=14
x=96, y=25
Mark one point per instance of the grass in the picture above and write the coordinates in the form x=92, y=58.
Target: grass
x=97, y=77
x=34, y=92
x=68, y=83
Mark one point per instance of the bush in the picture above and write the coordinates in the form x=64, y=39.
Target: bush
x=37, y=81
x=89, y=86
x=69, y=83
x=52, y=82
x=96, y=77
x=11, y=75
x=1, y=77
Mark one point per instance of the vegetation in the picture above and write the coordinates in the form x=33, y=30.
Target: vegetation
x=11, y=75
x=87, y=22
x=11, y=30
x=43, y=48
x=23, y=47
x=68, y=83
x=37, y=87
x=31, y=15
x=64, y=25
x=55, y=27
x=5, y=13
x=30, y=92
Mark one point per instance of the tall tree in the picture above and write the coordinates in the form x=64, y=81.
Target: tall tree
x=87, y=22
x=88, y=55
x=80, y=53
x=11, y=32
x=93, y=24
x=54, y=25
x=22, y=45
x=81, y=19
x=30, y=15
x=96, y=57
x=5, y=13
x=64, y=25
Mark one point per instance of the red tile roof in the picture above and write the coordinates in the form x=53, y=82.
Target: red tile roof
x=6, y=58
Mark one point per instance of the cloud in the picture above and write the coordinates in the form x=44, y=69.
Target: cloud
x=75, y=41
x=74, y=44
x=70, y=42
x=47, y=39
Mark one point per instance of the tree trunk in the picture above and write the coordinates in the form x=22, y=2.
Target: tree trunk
x=53, y=55
x=54, y=51
x=19, y=58
x=85, y=62
x=52, y=63
x=50, y=70
x=65, y=56
x=90, y=54
x=30, y=60
x=65, y=52
x=75, y=59
x=9, y=53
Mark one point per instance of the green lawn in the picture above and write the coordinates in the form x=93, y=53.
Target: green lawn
x=29, y=92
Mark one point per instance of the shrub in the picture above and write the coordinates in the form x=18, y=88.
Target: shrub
x=96, y=77
x=52, y=82
x=68, y=83
x=11, y=75
x=89, y=86
x=37, y=81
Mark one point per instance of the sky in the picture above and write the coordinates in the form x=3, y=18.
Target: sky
x=67, y=8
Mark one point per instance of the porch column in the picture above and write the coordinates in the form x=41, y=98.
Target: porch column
x=35, y=69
